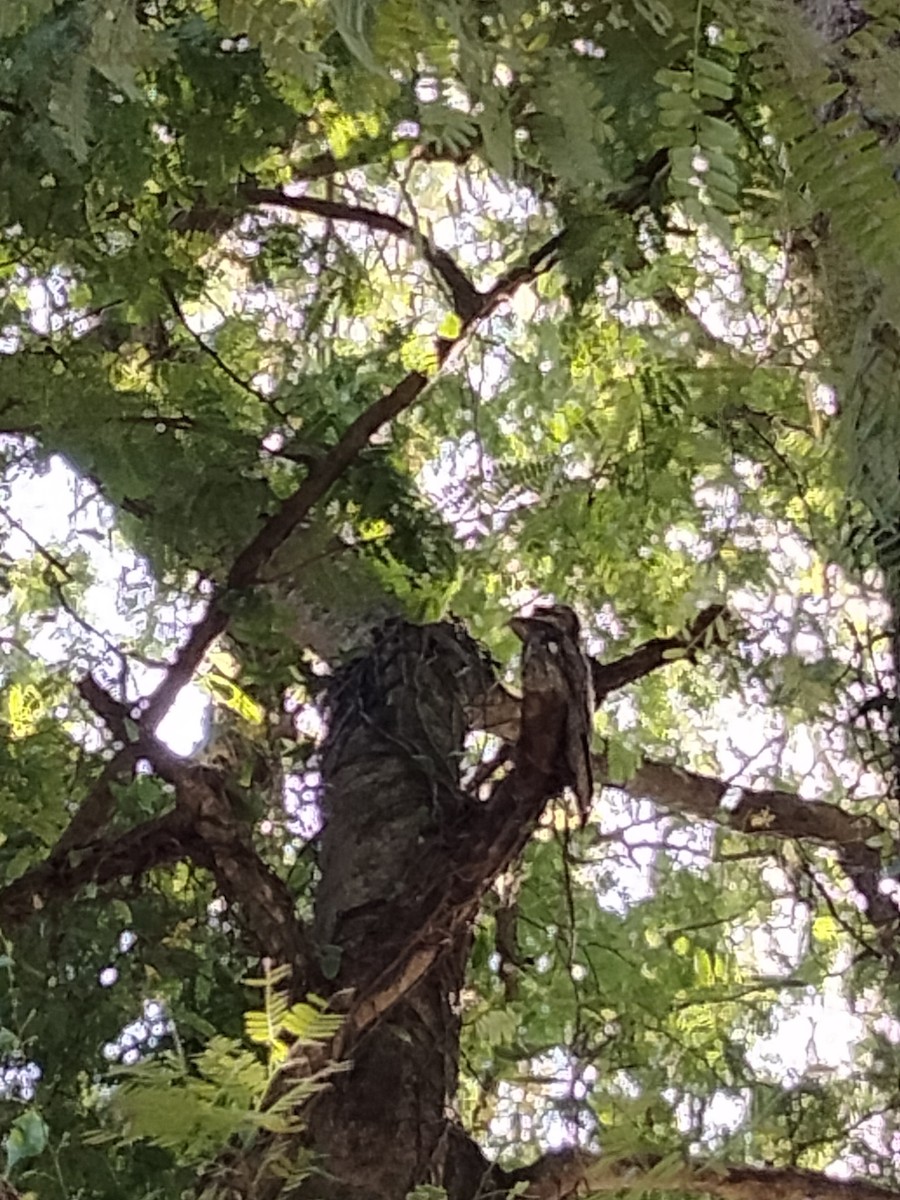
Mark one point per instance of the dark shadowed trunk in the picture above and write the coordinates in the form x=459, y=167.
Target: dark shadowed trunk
x=392, y=796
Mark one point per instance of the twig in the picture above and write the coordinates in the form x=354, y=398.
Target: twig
x=244, y=384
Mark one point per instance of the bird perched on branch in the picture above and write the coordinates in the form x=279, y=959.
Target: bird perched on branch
x=557, y=698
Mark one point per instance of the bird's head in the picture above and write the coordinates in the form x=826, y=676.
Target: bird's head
x=551, y=618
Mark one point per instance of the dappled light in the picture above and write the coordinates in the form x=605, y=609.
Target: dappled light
x=449, y=585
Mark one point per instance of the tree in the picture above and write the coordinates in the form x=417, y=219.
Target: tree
x=343, y=332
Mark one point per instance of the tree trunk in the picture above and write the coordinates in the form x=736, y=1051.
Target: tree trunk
x=392, y=794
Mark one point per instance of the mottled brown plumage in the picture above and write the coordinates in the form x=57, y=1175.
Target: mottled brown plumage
x=558, y=702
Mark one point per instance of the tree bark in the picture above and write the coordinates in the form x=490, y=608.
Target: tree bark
x=390, y=769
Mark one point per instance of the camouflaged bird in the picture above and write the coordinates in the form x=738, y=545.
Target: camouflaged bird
x=556, y=678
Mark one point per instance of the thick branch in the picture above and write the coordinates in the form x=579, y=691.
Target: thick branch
x=455, y=874
x=571, y=1173
x=773, y=813
x=263, y=900
x=203, y=827
x=163, y=840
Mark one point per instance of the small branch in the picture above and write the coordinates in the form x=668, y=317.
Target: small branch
x=466, y=297
x=60, y=571
x=658, y=652
x=112, y=712
x=467, y=300
x=540, y=260
x=96, y=810
x=47, y=555
x=202, y=218
x=223, y=366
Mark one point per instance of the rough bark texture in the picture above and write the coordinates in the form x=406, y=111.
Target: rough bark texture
x=391, y=775
x=406, y=856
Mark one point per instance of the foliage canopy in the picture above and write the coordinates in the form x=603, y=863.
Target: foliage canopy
x=316, y=315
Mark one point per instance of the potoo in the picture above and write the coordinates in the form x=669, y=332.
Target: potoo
x=558, y=699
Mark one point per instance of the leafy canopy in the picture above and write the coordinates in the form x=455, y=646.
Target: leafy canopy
x=227, y=231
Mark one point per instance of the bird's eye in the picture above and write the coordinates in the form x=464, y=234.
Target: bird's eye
x=553, y=647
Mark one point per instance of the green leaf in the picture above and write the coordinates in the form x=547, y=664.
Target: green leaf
x=27, y=1138
x=450, y=327
x=623, y=761
x=673, y=653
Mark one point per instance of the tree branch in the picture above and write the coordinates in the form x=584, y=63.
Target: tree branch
x=152, y=844
x=466, y=297
x=771, y=812
x=245, y=385
x=203, y=827
x=703, y=633
x=322, y=476
x=567, y=1173
x=774, y=813
x=263, y=902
